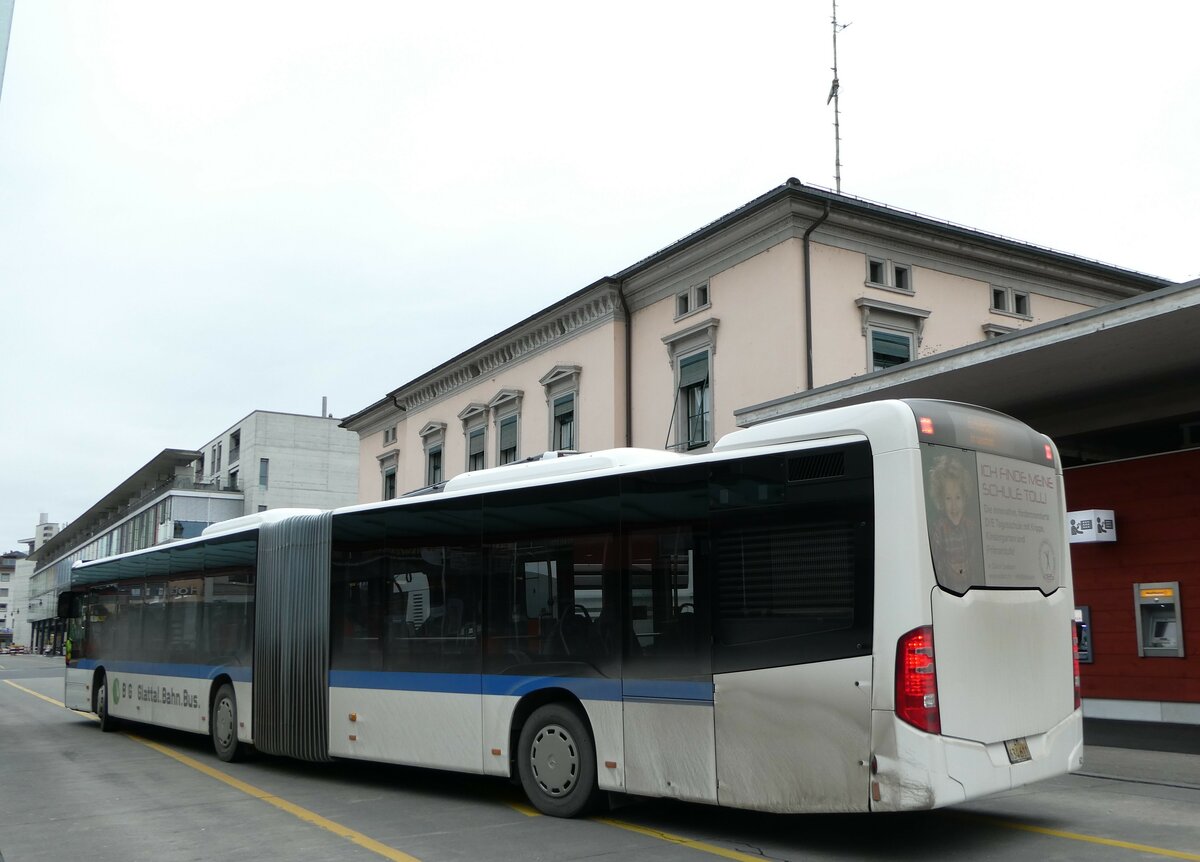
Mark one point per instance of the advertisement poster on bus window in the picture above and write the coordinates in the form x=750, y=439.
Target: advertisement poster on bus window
x=993, y=521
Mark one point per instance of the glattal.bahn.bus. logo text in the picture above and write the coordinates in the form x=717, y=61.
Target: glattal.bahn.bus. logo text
x=150, y=694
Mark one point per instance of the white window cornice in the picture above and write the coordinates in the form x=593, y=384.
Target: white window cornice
x=472, y=411
x=506, y=398
x=876, y=311
x=431, y=429
x=699, y=334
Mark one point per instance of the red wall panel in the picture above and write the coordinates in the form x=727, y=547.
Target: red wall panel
x=1157, y=506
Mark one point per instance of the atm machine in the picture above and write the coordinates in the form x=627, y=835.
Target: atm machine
x=1159, y=619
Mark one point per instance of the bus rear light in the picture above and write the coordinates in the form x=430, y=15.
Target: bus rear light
x=1049, y=453
x=1075, y=662
x=926, y=425
x=916, y=681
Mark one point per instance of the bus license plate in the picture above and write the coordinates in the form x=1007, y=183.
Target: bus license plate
x=1018, y=750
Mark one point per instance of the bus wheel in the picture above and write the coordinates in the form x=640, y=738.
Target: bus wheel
x=223, y=724
x=557, y=761
x=107, y=723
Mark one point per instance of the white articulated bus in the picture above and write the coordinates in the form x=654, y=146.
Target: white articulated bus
x=862, y=609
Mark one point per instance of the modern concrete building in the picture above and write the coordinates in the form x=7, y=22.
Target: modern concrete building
x=266, y=460
x=797, y=290
x=11, y=596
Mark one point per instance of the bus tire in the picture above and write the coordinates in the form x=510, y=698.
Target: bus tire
x=556, y=759
x=223, y=724
x=107, y=723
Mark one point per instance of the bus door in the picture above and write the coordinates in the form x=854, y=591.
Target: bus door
x=793, y=564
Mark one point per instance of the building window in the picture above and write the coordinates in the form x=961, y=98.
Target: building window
x=562, y=406
x=890, y=348
x=389, y=435
x=562, y=435
x=892, y=332
x=889, y=275
x=507, y=440
x=262, y=507
x=433, y=438
x=264, y=471
x=389, y=484
x=695, y=401
x=474, y=422
x=992, y=330
x=476, y=454
x=506, y=410
x=1007, y=300
x=235, y=446
x=433, y=465
x=216, y=459
x=691, y=352
x=233, y=480
x=389, y=464
x=692, y=299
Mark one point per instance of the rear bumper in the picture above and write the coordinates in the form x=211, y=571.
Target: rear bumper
x=984, y=769
x=917, y=770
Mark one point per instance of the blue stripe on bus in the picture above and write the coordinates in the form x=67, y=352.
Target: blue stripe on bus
x=441, y=683
x=189, y=671
x=668, y=691
x=585, y=688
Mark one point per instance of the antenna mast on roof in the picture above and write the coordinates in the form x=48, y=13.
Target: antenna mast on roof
x=833, y=97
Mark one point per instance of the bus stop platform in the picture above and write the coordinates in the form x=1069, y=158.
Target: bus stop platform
x=1145, y=751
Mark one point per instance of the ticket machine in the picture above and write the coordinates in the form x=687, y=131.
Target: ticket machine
x=1159, y=619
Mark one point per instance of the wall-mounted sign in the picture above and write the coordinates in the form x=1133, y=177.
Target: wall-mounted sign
x=1092, y=525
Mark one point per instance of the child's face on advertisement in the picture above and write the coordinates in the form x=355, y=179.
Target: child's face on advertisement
x=952, y=501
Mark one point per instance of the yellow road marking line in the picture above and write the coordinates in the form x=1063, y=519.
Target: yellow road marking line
x=1090, y=839
x=290, y=807
x=684, y=842
x=527, y=810
x=38, y=695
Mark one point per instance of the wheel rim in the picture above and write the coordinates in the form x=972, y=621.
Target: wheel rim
x=223, y=722
x=102, y=700
x=554, y=758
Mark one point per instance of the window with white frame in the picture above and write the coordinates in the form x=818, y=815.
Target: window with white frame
x=506, y=410
x=562, y=422
x=561, y=385
x=691, y=353
x=695, y=401
x=890, y=347
x=691, y=300
x=1009, y=300
x=389, y=435
x=474, y=423
x=433, y=439
x=889, y=275
x=892, y=332
x=389, y=463
x=506, y=433
x=476, y=448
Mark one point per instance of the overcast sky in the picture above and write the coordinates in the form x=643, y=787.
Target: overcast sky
x=207, y=209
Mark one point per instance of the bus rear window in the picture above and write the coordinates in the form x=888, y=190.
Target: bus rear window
x=993, y=521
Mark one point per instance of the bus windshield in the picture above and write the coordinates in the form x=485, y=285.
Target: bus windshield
x=992, y=500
